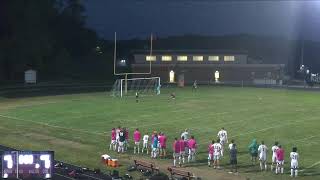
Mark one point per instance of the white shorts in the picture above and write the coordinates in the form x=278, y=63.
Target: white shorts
x=262, y=158
x=145, y=144
x=182, y=153
x=274, y=159
x=216, y=157
x=176, y=155
x=281, y=163
x=223, y=141
x=192, y=151
x=210, y=157
x=113, y=141
x=155, y=150
x=137, y=143
x=121, y=143
x=294, y=165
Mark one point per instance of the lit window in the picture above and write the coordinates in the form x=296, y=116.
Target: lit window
x=151, y=58
x=182, y=58
x=171, y=76
x=228, y=58
x=166, y=58
x=213, y=58
x=197, y=58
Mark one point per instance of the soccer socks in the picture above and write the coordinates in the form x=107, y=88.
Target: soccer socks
x=134, y=150
x=282, y=170
x=189, y=158
x=174, y=162
x=138, y=149
x=271, y=167
x=261, y=166
x=209, y=164
x=296, y=171
x=265, y=166
x=183, y=159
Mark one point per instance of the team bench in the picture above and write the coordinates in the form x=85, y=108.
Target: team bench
x=180, y=173
x=143, y=165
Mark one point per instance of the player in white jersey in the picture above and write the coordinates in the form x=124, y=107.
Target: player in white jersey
x=294, y=156
x=223, y=136
x=231, y=144
x=262, y=150
x=216, y=154
x=145, y=143
x=274, y=155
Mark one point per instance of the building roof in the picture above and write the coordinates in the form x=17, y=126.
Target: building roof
x=190, y=51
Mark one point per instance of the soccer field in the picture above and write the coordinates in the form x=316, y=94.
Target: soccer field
x=77, y=127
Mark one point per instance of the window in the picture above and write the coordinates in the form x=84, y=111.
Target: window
x=197, y=58
x=151, y=58
x=171, y=76
x=228, y=58
x=182, y=58
x=213, y=58
x=166, y=58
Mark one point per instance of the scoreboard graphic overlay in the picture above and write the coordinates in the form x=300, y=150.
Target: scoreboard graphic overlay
x=27, y=164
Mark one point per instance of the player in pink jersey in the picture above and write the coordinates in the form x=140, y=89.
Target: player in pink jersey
x=113, y=144
x=183, y=145
x=176, y=151
x=136, y=138
x=280, y=160
x=126, y=134
x=163, y=144
x=210, y=153
x=192, y=145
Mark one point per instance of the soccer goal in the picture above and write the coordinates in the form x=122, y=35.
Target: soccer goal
x=144, y=86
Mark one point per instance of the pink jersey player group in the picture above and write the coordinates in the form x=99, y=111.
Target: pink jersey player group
x=184, y=147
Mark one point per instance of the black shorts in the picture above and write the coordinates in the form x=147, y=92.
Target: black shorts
x=233, y=162
x=254, y=154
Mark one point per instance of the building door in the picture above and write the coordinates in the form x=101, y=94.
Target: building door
x=181, y=80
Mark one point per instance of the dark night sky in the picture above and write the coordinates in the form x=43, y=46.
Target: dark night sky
x=137, y=18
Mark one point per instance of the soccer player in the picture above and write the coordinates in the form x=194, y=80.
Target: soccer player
x=145, y=143
x=183, y=144
x=274, y=155
x=280, y=160
x=262, y=149
x=126, y=134
x=113, y=144
x=117, y=136
x=137, y=96
x=195, y=86
x=155, y=144
x=294, y=156
x=253, y=149
x=185, y=134
x=158, y=89
x=173, y=96
x=136, y=138
x=217, y=154
x=223, y=136
x=210, y=153
x=122, y=139
x=233, y=158
x=163, y=144
x=176, y=151
x=192, y=145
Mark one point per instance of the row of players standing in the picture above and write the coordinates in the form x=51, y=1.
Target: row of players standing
x=185, y=147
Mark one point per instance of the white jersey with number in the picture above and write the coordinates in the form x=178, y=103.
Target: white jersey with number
x=217, y=149
x=262, y=152
x=294, y=156
x=145, y=139
x=274, y=154
x=223, y=135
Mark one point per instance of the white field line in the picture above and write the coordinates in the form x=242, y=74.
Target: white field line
x=63, y=176
x=53, y=126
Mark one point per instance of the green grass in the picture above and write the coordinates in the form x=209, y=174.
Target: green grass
x=76, y=126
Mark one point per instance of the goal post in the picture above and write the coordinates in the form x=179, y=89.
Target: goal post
x=144, y=86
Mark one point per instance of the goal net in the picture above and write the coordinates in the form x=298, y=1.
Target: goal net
x=144, y=86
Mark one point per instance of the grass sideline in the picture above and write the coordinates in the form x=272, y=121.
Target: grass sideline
x=77, y=127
